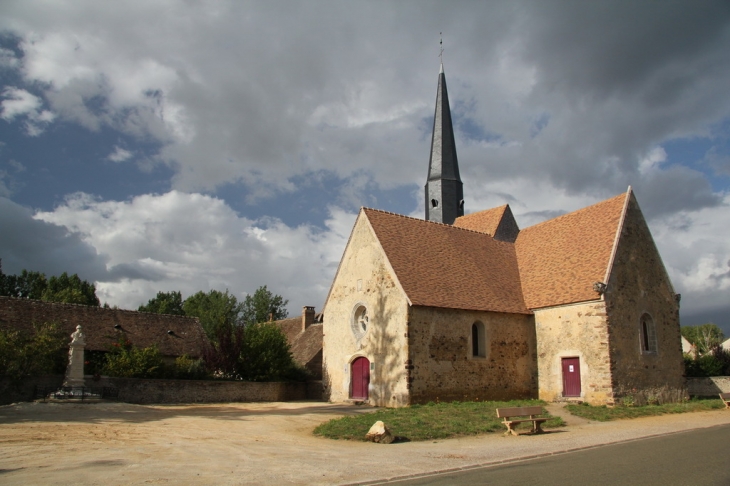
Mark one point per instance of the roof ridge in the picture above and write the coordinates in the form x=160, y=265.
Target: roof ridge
x=577, y=211
x=434, y=222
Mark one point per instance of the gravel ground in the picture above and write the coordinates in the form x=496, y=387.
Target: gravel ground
x=260, y=443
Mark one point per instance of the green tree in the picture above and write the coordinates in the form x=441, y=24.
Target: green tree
x=266, y=355
x=705, y=336
x=44, y=351
x=215, y=310
x=28, y=285
x=262, y=305
x=70, y=290
x=165, y=303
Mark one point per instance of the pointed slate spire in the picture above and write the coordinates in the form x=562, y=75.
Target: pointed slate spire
x=444, y=189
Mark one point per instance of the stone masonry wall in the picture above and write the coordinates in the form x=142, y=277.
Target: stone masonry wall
x=444, y=369
x=708, y=387
x=571, y=331
x=639, y=284
x=133, y=390
x=365, y=278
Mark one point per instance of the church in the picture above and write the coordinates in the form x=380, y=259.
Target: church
x=471, y=307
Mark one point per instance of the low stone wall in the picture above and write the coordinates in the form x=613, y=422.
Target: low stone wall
x=708, y=387
x=133, y=390
x=10, y=394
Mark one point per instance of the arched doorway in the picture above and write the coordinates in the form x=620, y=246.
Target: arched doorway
x=359, y=378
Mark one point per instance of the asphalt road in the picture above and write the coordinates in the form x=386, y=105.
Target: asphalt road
x=697, y=457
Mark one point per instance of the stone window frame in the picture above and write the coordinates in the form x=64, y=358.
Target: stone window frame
x=647, y=334
x=479, y=330
x=360, y=320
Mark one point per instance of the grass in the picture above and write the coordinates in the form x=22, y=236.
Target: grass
x=430, y=421
x=605, y=414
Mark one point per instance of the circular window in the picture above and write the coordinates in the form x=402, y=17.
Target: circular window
x=360, y=321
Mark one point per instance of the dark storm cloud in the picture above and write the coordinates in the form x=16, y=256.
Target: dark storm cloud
x=26, y=243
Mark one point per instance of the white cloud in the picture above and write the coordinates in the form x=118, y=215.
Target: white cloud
x=21, y=103
x=119, y=154
x=192, y=242
x=18, y=102
x=696, y=250
x=652, y=160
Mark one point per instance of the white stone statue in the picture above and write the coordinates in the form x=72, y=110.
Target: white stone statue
x=75, y=370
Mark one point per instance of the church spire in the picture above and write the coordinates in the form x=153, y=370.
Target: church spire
x=444, y=189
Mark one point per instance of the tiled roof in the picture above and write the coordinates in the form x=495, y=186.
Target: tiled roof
x=560, y=259
x=485, y=221
x=304, y=345
x=140, y=328
x=439, y=265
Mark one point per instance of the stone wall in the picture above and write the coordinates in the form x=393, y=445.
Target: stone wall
x=573, y=331
x=443, y=367
x=365, y=278
x=134, y=390
x=708, y=387
x=10, y=394
x=639, y=285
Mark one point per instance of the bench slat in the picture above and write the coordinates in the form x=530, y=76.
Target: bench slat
x=517, y=411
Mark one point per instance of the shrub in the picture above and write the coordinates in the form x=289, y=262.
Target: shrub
x=714, y=363
x=266, y=355
x=258, y=352
x=187, y=368
x=24, y=355
x=127, y=361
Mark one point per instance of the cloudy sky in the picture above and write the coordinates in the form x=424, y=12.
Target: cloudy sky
x=159, y=145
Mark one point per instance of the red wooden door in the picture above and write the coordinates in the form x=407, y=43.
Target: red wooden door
x=571, y=377
x=360, y=378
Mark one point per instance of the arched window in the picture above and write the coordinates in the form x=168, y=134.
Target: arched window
x=478, y=341
x=648, y=334
x=434, y=203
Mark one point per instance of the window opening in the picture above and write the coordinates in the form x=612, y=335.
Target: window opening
x=434, y=203
x=478, y=341
x=648, y=334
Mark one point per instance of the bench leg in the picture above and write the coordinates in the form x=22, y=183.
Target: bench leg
x=537, y=427
x=510, y=430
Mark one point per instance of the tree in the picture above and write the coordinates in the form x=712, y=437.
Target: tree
x=215, y=310
x=28, y=285
x=165, y=303
x=266, y=354
x=262, y=306
x=705, y=336
x=70, y=290
x=44, y=351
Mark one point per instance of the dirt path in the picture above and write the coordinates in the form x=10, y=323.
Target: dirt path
x=114, y=443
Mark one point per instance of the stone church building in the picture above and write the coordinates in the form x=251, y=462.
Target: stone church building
x=455, y=307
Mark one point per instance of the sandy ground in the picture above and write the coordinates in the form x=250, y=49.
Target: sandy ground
x=259, y=443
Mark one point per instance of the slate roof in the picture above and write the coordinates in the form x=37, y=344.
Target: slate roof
x=561, y=258
x=142, y=329
x=461, y=267
x=439, y=265
x=486, y=221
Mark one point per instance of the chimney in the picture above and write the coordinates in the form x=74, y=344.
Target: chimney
x=307, y=317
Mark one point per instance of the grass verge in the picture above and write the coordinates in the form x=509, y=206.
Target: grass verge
x=430, y=421
x=605, y=414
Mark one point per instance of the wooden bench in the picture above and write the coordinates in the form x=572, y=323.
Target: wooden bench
x=508, y=413
x=725, y=397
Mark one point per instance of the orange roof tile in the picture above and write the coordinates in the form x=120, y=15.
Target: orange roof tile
x=486, y=221
x=560, y=259
x=439, y=265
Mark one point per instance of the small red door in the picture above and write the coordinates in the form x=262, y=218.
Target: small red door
x=360, y=378
x=571, y=377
